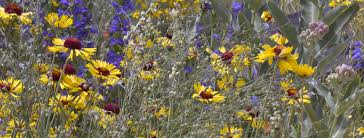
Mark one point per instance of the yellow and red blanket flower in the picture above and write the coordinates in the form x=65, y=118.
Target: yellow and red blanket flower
x=72, y=45
x=266, y=16
x=226, y=61
x=206, y=94
x=54, y=75
x=293, y=96
x=75, y=84
x=105, y=71
x=231, y=132
x=254, y=121
x=226, y=82
x=62, y=22
x=14, y=11
x=285, y=60
x=150, y=71
x=11, y=85
x=20, y=126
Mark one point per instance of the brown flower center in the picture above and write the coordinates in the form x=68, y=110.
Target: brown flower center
x=292, y=93
x=112, y=107
x=13, y=8
x=103, y=71
x=278, y=49
x=4, y=87
x=206, y=95
x=70, y=69
x=227, y=55
x=73, y=43
x=148, y=66
x=84, y=87
x=56, y=74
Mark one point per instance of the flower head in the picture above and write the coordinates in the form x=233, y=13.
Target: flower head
x=266, y=16
x=105, y=71
x=62, y=22
x=303, y=70
x=206, y=95
x=231, y=132
x=72, y=45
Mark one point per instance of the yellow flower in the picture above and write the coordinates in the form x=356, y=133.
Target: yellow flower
x=163, y=112
x=60, y=22
x=61, y=100
x=252, y=118
x=293, y=96
x=266, y=16
x=279, y=39
x=41, y=67
x=225, y=82
x=231, y=132
x=150, y=71
x=286, y=61
x=52, y=133
x=11, y=86
x=105, y=71
x=18, y=125
x=73, y=84
x=166, y=42
x=74, y=46
x=206, y=95
x=13, y=11
x=107, y=120
x=360, y=130
x=303, y=70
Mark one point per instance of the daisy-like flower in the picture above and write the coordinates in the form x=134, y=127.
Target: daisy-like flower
x=286, y=60
x=150, y=71
x=19, y=126
x=248, y=115
x=105, y=71
x=61, y=100
x=11, y=85
x=360, y=130
x=166, y=42
x=206, y=95
x=54, y=75
x=266, y=16
x=336, y=3
x=14, y=11
x=72, y=45
x=227, y=81
x=163, y=112
x=41, y=67
x=62, y=22
x=231, y=132
x=294, y=96
x=225, y=61
x=75, y=84
x=303, y=70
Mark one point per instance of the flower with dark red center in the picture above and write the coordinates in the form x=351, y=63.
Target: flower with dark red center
x=112, y=107
x=206, y=95
x=13, y=8
x=56, y=74
x=4, y=87
x=278, y=49
x=227, y=55
x=148, y=66
x=292, y=93
x=73, y=43
x=103, y=71
x=70, y=69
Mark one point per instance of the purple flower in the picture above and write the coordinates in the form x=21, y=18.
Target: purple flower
x=114, y=58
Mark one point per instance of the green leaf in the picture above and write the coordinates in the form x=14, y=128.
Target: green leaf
x=222, y=10
x=320, y=127
x=323, y=92
x=336, y=27
x=310, y=10
x=330, y=58
x=284, y=25
x=333, y=14
x=349, y=102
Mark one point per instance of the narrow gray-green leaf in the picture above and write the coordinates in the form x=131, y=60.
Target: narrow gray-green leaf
x=321, y=128
x=331, y=56
x=285, y=26
x=310, y=10
x=349, y=102
x=323, y=92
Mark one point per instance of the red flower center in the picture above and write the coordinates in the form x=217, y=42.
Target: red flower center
x=227, y=55
x=278, y=49
x=13, y=8
x=70, y=69
x=4, y=87
x=103, y=71
x=56, y=74
x=112, y=107
x=148, y=66
x=73, y=43
x=292, y=93
x=206, y=95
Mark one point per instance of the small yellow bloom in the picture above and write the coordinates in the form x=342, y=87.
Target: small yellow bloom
x=14, y=12
x=163, y=112
x=59, y=22
x=206, y=95
x=73, y=45
x=105, y=71
x=303, y=70
x=360, y=130
x=11, y=85
x=266, y=16
x=231, y=132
